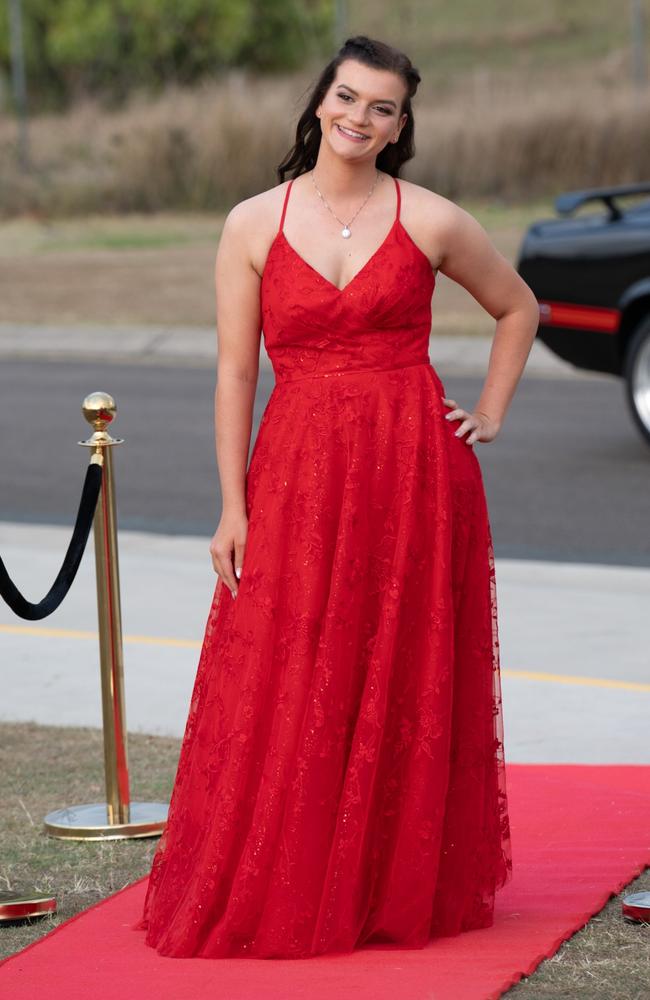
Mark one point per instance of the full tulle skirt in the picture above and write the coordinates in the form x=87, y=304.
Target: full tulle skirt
x=341, y=778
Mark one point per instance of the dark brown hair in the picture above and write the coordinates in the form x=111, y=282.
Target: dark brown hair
x=302, y=156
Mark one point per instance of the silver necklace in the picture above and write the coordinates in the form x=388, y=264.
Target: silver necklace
x=346, y=232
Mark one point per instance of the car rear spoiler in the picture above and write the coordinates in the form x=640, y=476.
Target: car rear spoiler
x=568, y=202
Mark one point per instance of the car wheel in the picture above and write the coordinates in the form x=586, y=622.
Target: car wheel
x=636, y=372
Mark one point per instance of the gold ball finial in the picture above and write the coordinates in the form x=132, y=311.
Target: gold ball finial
x=99, y=410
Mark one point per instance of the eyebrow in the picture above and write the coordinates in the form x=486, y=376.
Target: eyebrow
x=381, y=100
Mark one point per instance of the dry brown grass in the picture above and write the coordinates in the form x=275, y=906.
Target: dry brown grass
x=47, y=767
x=509, y=136
x=50, y=767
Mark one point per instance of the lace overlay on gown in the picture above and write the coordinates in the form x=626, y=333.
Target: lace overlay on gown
x=341, y=779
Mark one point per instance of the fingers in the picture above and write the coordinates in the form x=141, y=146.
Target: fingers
x=239, y=558
x=227, y=547
x=223, y=567
x=456, y=412
x=470, y=422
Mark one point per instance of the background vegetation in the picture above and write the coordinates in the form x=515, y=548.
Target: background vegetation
x=107, y=47
x=149, y=105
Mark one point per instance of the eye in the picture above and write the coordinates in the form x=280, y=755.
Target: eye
x=345, y=96
x=386, y=111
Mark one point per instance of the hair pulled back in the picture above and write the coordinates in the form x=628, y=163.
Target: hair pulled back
x=378, y=55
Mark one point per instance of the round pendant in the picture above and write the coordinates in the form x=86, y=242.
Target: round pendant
x=345, y=233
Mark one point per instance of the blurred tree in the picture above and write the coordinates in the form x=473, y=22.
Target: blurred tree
x=286, y=32
x=45, y=85
x=107, y=47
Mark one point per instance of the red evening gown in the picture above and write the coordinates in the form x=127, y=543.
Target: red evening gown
x=341, y=779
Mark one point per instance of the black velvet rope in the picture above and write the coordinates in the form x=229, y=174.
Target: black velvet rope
x=8, y=590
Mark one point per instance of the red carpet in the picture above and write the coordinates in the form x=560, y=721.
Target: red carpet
x=579, y=834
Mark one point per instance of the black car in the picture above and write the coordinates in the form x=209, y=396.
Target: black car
x=591, y=276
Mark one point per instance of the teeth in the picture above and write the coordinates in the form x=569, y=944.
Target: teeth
x=359, y=135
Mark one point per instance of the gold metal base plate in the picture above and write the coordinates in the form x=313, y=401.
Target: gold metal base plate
x=18, y=905
x=91, y=822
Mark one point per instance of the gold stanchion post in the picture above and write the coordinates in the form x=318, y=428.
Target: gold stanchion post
x=118, y=817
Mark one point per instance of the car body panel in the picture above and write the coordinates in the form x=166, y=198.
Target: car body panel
x=591, y=276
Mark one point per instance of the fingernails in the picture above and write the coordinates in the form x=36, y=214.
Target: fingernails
x=238, y=572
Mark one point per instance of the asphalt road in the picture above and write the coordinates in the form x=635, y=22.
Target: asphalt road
x=567, y=479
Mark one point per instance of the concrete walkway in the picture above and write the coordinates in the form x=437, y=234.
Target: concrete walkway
x=198, y=345
x=574, y=645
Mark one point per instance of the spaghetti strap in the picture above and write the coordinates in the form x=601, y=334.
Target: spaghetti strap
x=284, y=207
x=399, y=198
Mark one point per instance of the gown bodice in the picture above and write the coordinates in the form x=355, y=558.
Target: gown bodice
x=380, y=319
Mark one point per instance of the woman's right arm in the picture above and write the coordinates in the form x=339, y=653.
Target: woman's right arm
x=237, y=286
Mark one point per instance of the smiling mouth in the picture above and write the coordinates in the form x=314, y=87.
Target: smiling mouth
x=351, y=134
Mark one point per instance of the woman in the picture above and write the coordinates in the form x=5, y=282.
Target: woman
x=341, y=779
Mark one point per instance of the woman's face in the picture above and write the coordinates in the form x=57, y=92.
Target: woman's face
x=363, y=101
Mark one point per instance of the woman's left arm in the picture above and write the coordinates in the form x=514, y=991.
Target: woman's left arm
x=472, y=260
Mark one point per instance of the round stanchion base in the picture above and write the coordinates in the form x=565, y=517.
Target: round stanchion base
x=20, y=905
x=91, y=822
x=636, y=907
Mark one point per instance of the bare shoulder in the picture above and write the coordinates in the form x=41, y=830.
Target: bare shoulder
x=429, y=217
x=431, y=206
x=253, y=211
x=251, y=224
x=435, y=221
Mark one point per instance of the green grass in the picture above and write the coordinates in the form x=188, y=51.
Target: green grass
x=495, y=214
x=160, y=231
x=123, y=241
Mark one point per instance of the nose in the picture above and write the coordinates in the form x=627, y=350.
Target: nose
x=358, y=115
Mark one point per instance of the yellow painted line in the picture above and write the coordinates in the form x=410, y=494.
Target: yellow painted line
x=151, y=640
x=69, y=633
x=537, y=675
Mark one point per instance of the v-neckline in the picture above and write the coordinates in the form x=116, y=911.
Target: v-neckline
x=355, y=276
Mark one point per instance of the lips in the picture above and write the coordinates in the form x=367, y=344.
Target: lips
x=353, y=138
